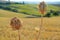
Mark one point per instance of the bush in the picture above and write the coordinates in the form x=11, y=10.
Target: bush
x=56, y=13
x=7, y=8
x=23, y=12
x=14, y=10
x=52, y=11
x=1, y=7
x=49, y=14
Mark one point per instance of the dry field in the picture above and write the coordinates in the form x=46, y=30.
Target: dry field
x=30, y=29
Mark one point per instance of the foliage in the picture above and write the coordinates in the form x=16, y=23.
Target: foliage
x=52, y=13
x=49, y=14
x=31, y=9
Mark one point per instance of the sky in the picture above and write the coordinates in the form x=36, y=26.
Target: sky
x=38, y=0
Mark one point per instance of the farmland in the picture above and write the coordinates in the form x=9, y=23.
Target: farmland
x=28, y=9
x=29, y=31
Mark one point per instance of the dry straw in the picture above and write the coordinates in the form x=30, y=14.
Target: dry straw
x=16, y=24
x=42, y=9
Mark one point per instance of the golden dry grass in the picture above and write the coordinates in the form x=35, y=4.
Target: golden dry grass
x=50, y=31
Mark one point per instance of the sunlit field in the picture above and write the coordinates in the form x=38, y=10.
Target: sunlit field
x=30, y=29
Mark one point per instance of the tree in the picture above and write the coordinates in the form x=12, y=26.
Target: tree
x=49, y=14
x=23, y=2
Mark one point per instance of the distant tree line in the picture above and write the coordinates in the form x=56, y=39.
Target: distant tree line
x=12, y=2
x=52, y=13
x=8, y=8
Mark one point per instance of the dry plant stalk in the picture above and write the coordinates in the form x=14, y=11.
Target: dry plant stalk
x=16, y=24
x=42, y=9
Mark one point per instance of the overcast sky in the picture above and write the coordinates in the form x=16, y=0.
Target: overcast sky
x=38, y=0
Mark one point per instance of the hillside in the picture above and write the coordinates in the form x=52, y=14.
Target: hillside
x=58, y=5
x=28, y=9
x=25, y=9
x=52, y=7
x=30, y=29
x=8, y=14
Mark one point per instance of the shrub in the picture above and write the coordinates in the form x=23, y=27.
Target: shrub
x=49, y=14
x=14, y=10
x=52, y=11
x=56, y=13
x=1, y=7
x=7, y=8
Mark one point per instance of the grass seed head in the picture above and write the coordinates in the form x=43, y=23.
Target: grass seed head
x=16, y=23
